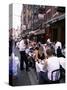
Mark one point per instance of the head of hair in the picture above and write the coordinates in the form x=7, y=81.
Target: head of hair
x=49, y=52
x=36, y=48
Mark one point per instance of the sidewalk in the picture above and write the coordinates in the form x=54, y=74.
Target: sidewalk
x=24, y=78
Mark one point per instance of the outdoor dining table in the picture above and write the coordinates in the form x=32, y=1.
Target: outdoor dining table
x=62, y=62
x=40, y=65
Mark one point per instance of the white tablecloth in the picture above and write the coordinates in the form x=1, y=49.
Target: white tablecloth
x=14, y=63
x=62, y=62
x=40, y=66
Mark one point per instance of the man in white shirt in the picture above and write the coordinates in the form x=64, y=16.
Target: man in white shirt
x=51, y=64
x=23, y=59
x=58, y=44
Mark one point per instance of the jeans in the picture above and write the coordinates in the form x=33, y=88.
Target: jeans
x=23, y=59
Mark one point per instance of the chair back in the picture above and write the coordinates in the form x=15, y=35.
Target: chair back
x=55, y=75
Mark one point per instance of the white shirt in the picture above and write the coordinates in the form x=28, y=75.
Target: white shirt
x=22, y=45
x=52, y=64
x=17, y=44
x=15, y=64
x=40, y=66
x=48, y=40
x=56, y=46
x=27, y=50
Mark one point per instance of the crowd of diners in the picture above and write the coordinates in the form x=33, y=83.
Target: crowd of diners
x=37, y=55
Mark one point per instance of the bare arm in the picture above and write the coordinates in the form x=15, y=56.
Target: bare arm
x=45, y=64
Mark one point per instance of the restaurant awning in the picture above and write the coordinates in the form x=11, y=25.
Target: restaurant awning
x=58, y=18
x=42, y=31
x=37, y=32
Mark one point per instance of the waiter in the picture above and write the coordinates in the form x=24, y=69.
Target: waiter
x=23, y=57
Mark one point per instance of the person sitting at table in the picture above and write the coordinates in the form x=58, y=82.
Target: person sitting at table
x=38, y=54
x=38, y=58
x=35, y=54
x=51, y=64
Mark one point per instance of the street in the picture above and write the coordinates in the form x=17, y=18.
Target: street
x=24, y=78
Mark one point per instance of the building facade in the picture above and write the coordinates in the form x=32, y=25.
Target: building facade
x=55, y=23
x=44, y=21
